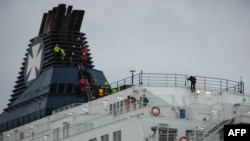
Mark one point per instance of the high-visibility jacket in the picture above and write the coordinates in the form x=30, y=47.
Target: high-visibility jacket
x=82, y=81
x=114, y=90
x=63, y=52
x=100, y=92
x=57, y=49
x=85, y=50
x=106, y=88
x=84, y=58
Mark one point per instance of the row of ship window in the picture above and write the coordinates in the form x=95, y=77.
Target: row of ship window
x=82, y=128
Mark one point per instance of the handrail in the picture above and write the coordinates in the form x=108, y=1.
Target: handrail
x=66, y=108
x=179, y=80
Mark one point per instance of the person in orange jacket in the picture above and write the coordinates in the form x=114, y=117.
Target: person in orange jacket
x=82, y=83
x=127, y=102
x=85, y=50
x=84, y=58
x=93, y=86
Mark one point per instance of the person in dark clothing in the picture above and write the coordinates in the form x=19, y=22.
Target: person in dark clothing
x=133, y=101
x=192, y=79
x=145, y=100
x=71, y=59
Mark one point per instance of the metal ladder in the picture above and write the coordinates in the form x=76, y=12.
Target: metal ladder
x=203, y=135
x=217, y=128
x=81, y=69
x=89, y=94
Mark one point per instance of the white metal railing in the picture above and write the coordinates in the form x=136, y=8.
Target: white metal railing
x=66, y=108
x=179, y=80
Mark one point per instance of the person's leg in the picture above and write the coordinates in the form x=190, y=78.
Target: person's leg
x=192, y=87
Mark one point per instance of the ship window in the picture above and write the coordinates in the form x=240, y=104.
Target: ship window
x=81, y=127
x=65, y=130
x=77, y=89
x=114, y=109
x=26, y=119
x=56, y=134
x=117, y=136
x=93, y=139
x=20, y=121
x=15, y=123
x=53, y=87
x=198, y=134
x=105, y=137
x=32, y=116
x=110, y=109
x=10, y=124
x=118, y=107
x=167, y=134
x=121, y=107
x=189, y=132
x=61, y=87
x=69, y=88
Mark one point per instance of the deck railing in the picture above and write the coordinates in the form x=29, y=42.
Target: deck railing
x=179, y=80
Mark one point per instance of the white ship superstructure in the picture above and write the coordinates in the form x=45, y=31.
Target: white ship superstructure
x=172, y=113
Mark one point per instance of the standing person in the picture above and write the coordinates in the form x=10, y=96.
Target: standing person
x=57, y=48
x=84, y=58
x=57, y=52
x=82, y=83
x=100, y=92
x=140, y=101
x=93, y=86
x=133, y=101
x=85, y=50
x=106, y=88
x=63, y=54
x=145, y=100
x=71, y=59
x=127, y=102
x=192, y=79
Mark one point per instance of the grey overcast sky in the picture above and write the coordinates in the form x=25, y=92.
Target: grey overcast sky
x=194, y=37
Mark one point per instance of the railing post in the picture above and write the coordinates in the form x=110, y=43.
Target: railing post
x=185, y=81
x=227, y=86
x=140, y=78
x=220, y=86
x=166, y=80
x=175, y=80
x=132, y=77
x=148, y=80
x=204, y=83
